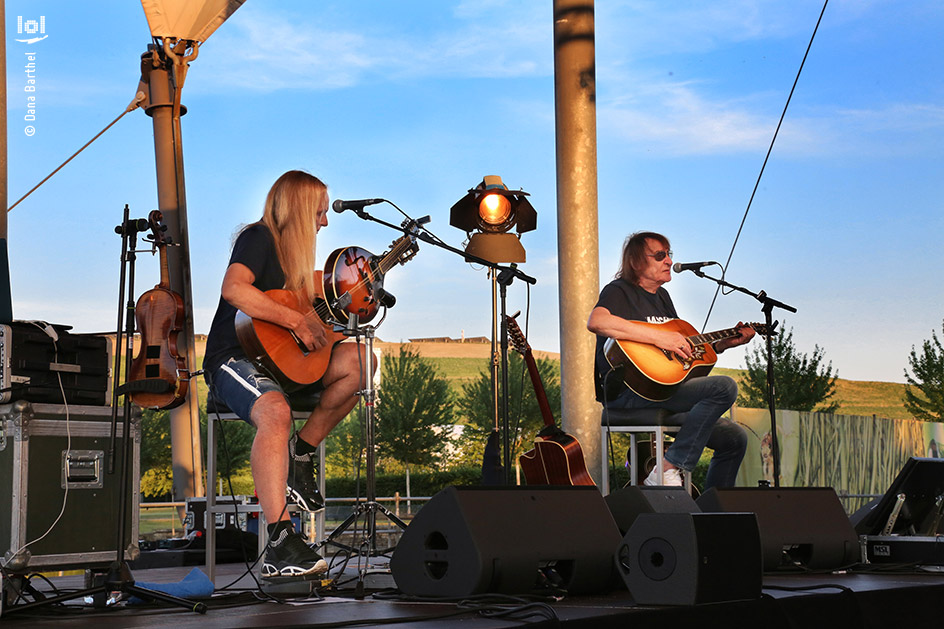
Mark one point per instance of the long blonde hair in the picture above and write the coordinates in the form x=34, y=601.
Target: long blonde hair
x=291, y=214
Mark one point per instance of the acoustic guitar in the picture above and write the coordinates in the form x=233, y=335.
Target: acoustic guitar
x=655, y=373
x=158, y=377
x=352, y=279
x=556, y=458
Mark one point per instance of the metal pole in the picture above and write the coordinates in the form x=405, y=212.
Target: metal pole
x=157, y=72
x=577, y=239
x=6, y=299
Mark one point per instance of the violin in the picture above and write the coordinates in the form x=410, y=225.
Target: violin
x=158, y=374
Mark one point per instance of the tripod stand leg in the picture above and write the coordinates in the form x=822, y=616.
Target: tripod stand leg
x=341, y=528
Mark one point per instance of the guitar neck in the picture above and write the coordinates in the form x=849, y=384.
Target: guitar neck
x=390, y=259
x=539, y=392
x=711, y=337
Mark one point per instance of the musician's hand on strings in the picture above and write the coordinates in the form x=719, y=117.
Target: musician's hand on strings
x=310, y=333
x=745, y=334
x=676, y=343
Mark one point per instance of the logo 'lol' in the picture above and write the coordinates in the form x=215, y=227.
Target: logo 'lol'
x=31, y=27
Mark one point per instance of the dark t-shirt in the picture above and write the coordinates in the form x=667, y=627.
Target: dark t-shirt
x=631, y=302
x=255, y=249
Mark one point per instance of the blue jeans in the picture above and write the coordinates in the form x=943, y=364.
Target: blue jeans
x=703, y=400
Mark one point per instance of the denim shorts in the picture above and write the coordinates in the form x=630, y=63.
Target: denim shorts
x=238, y=383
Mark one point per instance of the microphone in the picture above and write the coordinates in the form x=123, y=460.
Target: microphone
x=678, y=267
x=339, y=205
x=386, y=299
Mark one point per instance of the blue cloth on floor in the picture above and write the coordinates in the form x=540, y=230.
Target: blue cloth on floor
x=194, y=585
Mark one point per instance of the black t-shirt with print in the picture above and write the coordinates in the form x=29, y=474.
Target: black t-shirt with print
x=255, y=249
x=631, y=302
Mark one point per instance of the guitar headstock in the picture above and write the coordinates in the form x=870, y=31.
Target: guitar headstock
x=402, y=250
x=518, y=342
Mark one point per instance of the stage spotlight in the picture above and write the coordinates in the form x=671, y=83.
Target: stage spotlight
x=491, y=210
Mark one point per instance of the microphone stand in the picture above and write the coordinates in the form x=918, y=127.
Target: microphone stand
x=767, y=308
x=505, y=274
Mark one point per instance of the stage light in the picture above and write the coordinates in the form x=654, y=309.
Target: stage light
x=492, y=210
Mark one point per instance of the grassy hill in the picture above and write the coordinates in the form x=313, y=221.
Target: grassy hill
x=463, y=362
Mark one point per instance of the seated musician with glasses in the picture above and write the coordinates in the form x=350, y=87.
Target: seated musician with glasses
x=637, y=295
x=278, y=252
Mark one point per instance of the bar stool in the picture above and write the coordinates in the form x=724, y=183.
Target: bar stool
x=657, y=422
x=302, y=403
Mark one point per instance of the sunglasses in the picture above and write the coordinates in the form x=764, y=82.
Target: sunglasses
x=660, y=255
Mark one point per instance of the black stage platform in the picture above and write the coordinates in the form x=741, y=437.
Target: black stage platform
x=796, y=600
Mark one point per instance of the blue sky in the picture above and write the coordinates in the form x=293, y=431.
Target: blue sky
x=417, y=101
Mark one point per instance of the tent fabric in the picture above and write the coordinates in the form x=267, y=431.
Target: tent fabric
x=186, y=19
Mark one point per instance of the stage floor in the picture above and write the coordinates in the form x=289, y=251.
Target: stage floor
x=803, y=600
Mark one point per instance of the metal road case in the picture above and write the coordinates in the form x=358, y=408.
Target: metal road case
x=35, y=367
x=46, y=460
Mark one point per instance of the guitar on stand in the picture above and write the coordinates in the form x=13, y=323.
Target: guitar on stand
x=556, y=458
x=354, y=282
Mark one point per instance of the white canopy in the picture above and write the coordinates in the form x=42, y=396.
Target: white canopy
x=187, y=19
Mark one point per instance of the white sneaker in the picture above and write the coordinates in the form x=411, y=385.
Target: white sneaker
x=672, y=477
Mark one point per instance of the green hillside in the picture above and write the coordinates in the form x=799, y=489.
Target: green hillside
x=883, y=399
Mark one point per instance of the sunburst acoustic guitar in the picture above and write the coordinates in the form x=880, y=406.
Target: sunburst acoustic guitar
x=654, y=373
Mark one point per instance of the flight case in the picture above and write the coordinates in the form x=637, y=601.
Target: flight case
x=44, y=458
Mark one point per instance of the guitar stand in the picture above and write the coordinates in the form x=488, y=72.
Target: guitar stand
x=369, y=508
x=118, y=580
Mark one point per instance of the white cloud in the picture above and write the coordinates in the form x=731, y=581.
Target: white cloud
x=268, y=51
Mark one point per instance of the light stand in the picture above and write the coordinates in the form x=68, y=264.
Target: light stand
x=503, y=275
x=768, y=305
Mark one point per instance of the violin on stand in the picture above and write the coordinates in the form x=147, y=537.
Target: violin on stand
x=158, y=375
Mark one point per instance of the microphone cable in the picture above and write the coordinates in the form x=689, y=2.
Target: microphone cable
x=770, y=149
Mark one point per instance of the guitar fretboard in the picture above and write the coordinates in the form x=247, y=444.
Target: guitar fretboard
x=711, y=337
x=392, y=257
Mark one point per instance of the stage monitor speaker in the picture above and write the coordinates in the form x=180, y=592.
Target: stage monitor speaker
x=628, y=503
x=691, y=558
x=511, y=540
x=799, y=526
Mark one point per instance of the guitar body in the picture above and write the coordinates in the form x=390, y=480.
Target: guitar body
x=654, y=373
x=347, y=271
x=159, y=314
x=277, y=350
x=350, y=272
x=555, y=460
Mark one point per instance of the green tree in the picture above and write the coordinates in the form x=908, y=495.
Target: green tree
x=344, y=446
x=800, y=382
x=233, y=445
x=924, y=393
x=524, y=413
x=234, y=441
x=415, y=411
x=157, y=479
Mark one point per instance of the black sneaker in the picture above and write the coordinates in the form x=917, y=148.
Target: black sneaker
x=302, y=485
x=289, y=556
